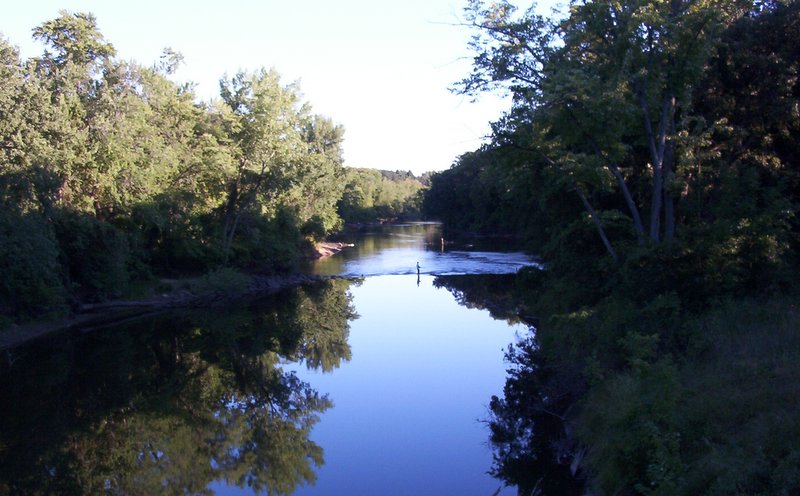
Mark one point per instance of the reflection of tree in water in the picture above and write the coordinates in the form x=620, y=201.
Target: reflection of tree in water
x=174, y=403
x=529, y=427
x=532, y=449
x=492, y=292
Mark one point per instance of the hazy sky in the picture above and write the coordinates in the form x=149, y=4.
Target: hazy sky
x=380, y=68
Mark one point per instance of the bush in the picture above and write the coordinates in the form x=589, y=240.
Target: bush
x=221, y=281
x=95, y=255
x=168, y=238
x=266, y=244
x=31, y=280
x=629, y=422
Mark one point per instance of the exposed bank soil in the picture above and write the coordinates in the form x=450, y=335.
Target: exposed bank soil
x=326, y=249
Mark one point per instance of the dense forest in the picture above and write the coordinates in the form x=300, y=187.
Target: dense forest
x=650, y=158
x=111, y=174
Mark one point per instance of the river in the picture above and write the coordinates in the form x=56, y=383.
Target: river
x=377, y=383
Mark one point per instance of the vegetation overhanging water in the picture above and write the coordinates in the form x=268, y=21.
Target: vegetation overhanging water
x=341, y=382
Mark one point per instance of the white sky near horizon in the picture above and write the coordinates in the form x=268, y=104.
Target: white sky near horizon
x=382, y=69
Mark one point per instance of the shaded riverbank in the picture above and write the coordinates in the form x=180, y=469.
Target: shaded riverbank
x=211, y=290
x=207, y=292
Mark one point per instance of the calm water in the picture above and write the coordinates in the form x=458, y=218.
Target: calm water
x=396, y=250
x=371, y=386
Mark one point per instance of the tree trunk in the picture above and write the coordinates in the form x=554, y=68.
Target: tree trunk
x=669, y=203
x=657, y=145
x=229, y=224
x=626, y=194
x=236, y=205
x=598, y=224
x=637, y=219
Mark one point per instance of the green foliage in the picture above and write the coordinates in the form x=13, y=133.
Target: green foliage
x=604, y=106
x=267, y=244
x=741, y=390
x=630, y=110
x=285, y=159
x=719, y=421
x=629, y=423
x=223, y=281
x=31, y=282
x=650, y=157
x=486, y=191
x=74, y=38
x=370, y=196
x=134, y=176
x=172, y=234
x=94, y=255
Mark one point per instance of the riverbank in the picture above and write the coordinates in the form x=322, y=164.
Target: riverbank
x=216, y=289
x=601, y=394
x=329, y=248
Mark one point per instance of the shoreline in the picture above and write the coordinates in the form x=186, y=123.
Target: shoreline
x=93, y=316
x=89, y=316
x=329, y=248
x=97, y=315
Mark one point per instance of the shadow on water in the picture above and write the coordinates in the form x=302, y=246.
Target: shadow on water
x=532, y=449
x=492, y=292
x=176, y=402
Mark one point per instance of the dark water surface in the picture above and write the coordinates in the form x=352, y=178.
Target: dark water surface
x=359, y=387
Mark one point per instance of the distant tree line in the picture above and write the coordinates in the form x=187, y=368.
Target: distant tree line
x=651, y=157
x=372, y=195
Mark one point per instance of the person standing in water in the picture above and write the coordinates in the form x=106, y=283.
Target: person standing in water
x=417, y=268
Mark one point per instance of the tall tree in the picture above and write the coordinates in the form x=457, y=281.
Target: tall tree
x=72, y=66
x=260, y=120
x=609, y=86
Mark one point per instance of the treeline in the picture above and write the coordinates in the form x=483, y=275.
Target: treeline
x=111, y=173
x=372, y=195
x=651, y=158
x=486, y=191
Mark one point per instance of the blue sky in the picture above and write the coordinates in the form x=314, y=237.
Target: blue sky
x=380, y=68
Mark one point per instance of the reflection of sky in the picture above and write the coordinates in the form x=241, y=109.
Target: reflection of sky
x=398, y=251
x=407, y=407
x=403, y=261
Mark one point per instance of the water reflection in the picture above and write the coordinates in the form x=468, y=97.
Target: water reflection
x=530, y=438
x=492, y=292
x=409, y=406
x=199, y=402
x=171, y=404
x=532, y=449
x=397, y=249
